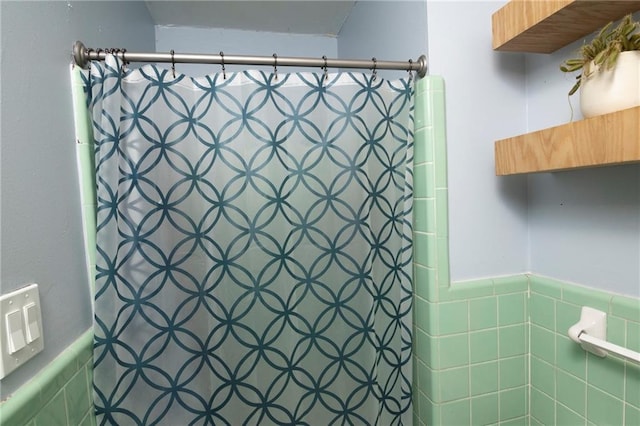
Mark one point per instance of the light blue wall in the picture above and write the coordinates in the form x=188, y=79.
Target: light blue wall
x=395, y=31
x=584, y=225
x=485, y=101
x=238, y=42
x=577, y=226
x=42, y=238
x=482, y=89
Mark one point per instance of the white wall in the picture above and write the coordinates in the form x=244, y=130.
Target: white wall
x=238, y=42
x=42, y=238
x=485, y=101
x=584, y=225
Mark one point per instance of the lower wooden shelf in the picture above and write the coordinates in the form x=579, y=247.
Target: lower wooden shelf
x=605, y=140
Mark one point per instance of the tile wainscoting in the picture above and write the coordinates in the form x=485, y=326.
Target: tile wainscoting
x=495, y=351
x=58, y=395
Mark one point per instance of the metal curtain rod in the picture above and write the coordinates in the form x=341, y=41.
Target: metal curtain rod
x=83, y=55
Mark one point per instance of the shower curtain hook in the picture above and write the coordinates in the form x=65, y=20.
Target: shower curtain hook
x=275, y=66
x=124, y=62
x=375, y=71
x=326, y=75
x=224, y=72
x=173, y=64
x=410, y=70
x=87, y=52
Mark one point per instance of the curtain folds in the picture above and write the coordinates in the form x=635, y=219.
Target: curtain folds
x=254, y=247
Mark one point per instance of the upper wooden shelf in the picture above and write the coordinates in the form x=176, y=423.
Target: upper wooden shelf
x=604, y=140
x=537, y=26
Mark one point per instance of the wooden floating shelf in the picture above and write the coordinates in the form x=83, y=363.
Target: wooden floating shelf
x=604, y=140
x=537, y=26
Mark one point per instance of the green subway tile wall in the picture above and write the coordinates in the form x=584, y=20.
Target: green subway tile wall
x=568, y=385
x=471, y=341
x=495, y=350
x=60, y=394
x=472, y=353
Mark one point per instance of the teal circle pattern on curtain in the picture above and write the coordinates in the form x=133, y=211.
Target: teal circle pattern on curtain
x=254, y=248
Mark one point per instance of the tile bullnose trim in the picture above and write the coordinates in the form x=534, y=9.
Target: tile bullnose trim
x=28, y=401
x=483, y=287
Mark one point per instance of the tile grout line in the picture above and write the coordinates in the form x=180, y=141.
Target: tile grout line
x=624, y=381
x=498, y=357
x=527, y=319
x=469, y=362
x=555, y=363
x=66, y=403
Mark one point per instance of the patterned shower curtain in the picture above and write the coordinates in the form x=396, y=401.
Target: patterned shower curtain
x=253, y=248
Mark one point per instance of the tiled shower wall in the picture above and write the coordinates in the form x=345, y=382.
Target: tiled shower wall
x=471, y=340
x=474, y=341
x=472, y=356
x=496, y=351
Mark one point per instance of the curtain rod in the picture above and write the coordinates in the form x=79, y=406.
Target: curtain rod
x=83, y=55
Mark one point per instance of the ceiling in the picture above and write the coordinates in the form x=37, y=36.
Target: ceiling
x=297, y=17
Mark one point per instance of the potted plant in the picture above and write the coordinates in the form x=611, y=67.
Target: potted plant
x=610, y=65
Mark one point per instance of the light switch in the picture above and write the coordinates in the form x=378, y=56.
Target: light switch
x=21, y=334
x=14, y=332
x=31, y=321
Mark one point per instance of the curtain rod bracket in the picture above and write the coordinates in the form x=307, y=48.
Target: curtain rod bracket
x=79, y=54
x=423, y=67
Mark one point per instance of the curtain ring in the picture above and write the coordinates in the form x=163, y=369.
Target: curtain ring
x=173, y=64
x=375, y=66
x=224, y=71
x=326, y=75
x=124, y=61
x=275, y=66
x=410, y=70
x=87, y=52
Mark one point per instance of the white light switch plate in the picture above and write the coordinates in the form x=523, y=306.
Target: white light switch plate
x=21, y=300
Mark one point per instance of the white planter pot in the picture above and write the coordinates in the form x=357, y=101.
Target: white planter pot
x=605, y=91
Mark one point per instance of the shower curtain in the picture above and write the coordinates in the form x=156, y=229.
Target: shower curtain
x=253, y=247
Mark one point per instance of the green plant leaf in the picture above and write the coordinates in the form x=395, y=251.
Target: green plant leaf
x=575, y=88
x=604, y=49
x=600, y=57
x=611, y=60
x=604, y=30
x=571, y=65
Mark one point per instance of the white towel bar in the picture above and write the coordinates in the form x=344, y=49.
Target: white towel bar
x=591, y=333
x=610, y=347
